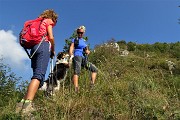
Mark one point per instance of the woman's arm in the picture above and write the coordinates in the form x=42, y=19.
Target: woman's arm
x=51, y=38
x=71, y=49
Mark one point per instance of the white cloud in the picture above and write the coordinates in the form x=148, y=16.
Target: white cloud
x=12, y=53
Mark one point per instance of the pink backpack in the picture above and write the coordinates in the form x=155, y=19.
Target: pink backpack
x=30, y=35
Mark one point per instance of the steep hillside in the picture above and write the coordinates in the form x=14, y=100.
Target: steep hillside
x=138, y=86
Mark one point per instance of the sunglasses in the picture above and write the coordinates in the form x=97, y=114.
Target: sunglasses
x=80, y=32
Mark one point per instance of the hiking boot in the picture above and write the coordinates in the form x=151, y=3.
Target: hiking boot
x=77, y=89
x=28, y=108
x=19, y=107
x=92, y=86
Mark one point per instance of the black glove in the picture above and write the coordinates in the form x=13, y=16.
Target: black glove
x=52, y=54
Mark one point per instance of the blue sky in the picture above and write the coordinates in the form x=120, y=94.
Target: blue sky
x=141, y=21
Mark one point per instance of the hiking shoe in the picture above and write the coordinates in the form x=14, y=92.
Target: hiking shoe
x=77, y=89
x=19, y=107
x=91, y=86
x=28, y=108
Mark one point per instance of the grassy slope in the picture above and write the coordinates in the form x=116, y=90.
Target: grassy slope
x=131, y=87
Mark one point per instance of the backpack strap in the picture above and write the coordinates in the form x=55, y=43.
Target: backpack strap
x=76, y=42
x=27, y=53
x=31, y=56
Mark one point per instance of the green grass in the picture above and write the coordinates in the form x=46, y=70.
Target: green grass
x=131, y=87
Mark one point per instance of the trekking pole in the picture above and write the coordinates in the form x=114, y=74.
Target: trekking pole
x=88, y=66
x=56, y=70
x=51, y=73
x=70, y=75
x=72, y=62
